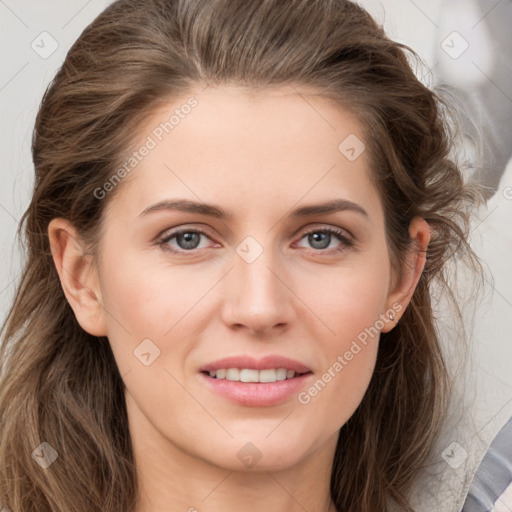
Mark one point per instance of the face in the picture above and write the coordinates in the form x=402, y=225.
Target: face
x=249, y=237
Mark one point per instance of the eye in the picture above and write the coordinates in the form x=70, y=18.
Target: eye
x=322, y=239
x=183, y=240
x=189, y=239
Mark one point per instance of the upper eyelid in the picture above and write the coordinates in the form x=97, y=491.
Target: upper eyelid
x=320, y=227
x=171, y=232
x=324, y=227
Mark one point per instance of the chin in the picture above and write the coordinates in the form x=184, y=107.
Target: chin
x=258, y=454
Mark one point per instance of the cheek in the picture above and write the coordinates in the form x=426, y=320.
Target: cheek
x=350, y=302
x=139, y=305
x=337, y=391
x=148, y=299
x=347, y=299
x=154, y=301
x=349, y=358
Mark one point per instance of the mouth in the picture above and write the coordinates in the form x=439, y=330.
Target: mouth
x=256, y=383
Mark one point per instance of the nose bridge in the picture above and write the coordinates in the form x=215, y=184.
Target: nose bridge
x=253, y=266
x=256, y=297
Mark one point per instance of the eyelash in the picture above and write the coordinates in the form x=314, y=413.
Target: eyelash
x=346, y=241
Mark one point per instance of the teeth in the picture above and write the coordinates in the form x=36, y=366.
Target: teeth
x=250, y=375
x=281, y=374
x=233, y=374
x=268, y=375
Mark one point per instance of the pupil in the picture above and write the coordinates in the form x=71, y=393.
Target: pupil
x=190, y=240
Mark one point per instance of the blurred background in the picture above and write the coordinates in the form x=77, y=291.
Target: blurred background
x=466, y=49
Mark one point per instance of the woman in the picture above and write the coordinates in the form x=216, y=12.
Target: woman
x=240, y=214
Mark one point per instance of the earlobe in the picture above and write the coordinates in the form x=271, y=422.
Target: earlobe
x=399, y=298
x=78, y=276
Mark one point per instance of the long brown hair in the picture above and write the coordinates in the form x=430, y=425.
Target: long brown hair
x=61, y=385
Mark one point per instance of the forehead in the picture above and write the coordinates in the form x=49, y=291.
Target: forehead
x=272, y=145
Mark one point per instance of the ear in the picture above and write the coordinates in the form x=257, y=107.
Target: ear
x=78, y=276
x=401, y=294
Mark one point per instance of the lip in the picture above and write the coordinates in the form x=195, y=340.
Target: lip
x=256, y=394
x=266, y=363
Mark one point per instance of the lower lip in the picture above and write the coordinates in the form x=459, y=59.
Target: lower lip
x=257, y=394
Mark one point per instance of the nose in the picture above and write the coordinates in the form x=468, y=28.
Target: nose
x=257, y=297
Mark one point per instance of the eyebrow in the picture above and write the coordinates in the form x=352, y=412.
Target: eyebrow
x=185, y=205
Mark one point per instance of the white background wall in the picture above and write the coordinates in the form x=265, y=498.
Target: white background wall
x=487, y=385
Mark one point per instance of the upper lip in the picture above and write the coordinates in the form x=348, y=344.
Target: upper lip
x=265, y=363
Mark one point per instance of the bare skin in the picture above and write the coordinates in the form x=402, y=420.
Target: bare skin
x=259, y=156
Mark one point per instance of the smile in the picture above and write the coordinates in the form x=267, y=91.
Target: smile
x=247, y=381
